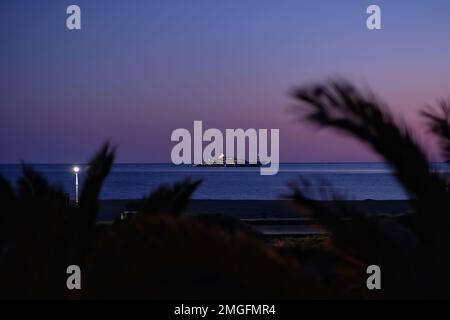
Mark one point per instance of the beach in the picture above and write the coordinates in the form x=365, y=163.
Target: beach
x=248, y=209
x=267, y=217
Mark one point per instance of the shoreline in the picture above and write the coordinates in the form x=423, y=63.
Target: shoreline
x=251, y=209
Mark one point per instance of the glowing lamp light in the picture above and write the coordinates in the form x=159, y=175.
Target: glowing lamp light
x=76, y=170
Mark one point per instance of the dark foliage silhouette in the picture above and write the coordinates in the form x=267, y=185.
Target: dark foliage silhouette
x=42, y=235
x=161, y=254
x=170, y=199
x=157, y=253
x=84, y=217
x=414, y=258
x=439, y=123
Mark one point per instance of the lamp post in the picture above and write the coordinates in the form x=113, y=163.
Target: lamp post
x=76, y=170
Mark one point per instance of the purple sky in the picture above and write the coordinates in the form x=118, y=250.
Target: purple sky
x=140, y=69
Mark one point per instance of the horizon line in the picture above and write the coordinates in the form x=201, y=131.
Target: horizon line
x=169, y=163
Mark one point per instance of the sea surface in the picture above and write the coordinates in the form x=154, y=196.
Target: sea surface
x=353, y=181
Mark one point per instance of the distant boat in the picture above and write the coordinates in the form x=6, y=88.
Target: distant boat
x=222, y=161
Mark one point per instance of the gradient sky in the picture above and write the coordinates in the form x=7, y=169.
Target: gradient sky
x=140, y=69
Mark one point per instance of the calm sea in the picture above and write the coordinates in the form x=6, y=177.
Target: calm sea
x=355, y=181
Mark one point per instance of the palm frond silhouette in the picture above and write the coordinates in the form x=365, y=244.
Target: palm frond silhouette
x=404, y=252
x=170, y=199
x=42, y=234
x=99, y=168
x=439, y=123
x=33, y=229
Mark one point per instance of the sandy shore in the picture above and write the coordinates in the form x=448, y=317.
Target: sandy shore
x=252, y=209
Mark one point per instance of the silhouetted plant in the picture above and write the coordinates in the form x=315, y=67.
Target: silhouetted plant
x=33, y=243
x=156, y=254
x=439, y=123
x=160, y=254
x=84, y=217
x=414, y=260
x=42, y=235
x=170, y=199
x=99, y=168
x=165, y=256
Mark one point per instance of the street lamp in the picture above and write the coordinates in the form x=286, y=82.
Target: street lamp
x=76, y=170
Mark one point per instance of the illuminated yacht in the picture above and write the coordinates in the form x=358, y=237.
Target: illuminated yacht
x=223, y=161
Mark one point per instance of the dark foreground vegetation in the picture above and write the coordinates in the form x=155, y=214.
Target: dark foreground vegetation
x=160, y=253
